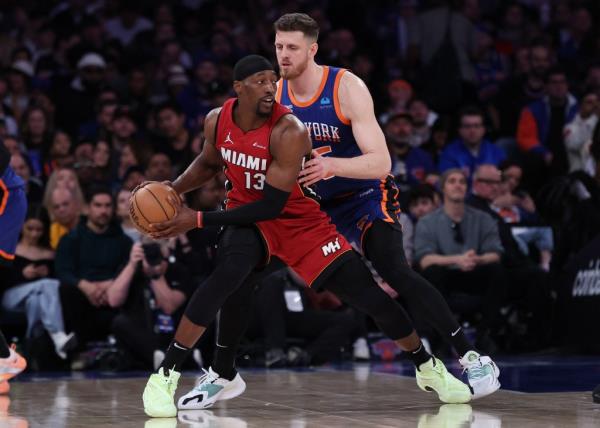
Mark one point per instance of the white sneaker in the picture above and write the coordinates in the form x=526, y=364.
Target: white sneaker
x=482, y=374
x=63, y=343
x=361, y=349
x=209, y=389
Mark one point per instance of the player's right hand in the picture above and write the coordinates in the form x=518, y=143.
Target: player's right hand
x=186, y=219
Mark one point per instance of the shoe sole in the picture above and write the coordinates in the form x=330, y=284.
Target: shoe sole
x=442, y=398
x=11, y=372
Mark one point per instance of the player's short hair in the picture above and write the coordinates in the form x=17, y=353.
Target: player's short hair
x=298, y=22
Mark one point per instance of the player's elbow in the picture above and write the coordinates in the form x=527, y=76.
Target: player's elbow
x=384, y=166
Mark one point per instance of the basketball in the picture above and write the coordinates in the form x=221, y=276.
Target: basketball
x=149, y=204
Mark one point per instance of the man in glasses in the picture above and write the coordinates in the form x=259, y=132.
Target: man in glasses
x=459, y=249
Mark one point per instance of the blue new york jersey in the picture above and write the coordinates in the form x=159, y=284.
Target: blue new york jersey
x=13, y=207
x=352, y=204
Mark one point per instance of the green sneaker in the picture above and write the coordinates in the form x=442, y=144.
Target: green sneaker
x=433, y=376
x=159, y=394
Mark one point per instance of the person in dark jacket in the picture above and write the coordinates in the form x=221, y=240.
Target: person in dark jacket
x=87, y=260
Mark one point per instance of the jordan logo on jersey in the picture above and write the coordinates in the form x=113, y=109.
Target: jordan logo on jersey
x=228, y=138
x=331, y=247
x=244, y=160
x=323, y=132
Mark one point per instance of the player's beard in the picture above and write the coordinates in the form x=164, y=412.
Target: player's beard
x=293, y=72
x=263, y=113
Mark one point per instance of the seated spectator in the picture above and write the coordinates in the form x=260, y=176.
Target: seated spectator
x=76, y=102
x=458, y=248
x=150, y=292
x=578, y=135
x=159, y=168
x=31, y=287
x=284, y=311
x=540, y=130
x=33, y=186
x=134, y=176
x=439, y=138
x=64, y=212
x=123, y=128
x=422, y=200
x=423, y=120
x=491, y=195
x=399, y=94
x=176, y=140
x=123, y=197
x=471, y=149
x=87, y=260
x=36, y=133
x=58, y=154
x=128, y=158
x=64, y=207
x=101, y=126
x=410, y=164
x=103, y=166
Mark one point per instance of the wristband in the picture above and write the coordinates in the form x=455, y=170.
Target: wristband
x=199, y=220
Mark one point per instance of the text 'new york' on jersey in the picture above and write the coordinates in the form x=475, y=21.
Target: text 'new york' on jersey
x=330, y=130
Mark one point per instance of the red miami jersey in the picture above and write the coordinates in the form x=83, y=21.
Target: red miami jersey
x=302, y=236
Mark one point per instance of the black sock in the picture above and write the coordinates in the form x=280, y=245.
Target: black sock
x=224, y=361
x=419, y=355
x=4, y=349
x=460, y=342
x=175, y=356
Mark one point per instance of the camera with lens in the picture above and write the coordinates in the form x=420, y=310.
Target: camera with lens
x=154, y=257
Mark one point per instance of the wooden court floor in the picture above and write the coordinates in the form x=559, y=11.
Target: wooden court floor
x=327, y=398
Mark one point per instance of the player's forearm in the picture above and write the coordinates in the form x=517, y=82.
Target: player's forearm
x=197, y=174
x=366, y=166
x=267, y=208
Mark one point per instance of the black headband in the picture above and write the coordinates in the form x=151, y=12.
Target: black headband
x=249, y=65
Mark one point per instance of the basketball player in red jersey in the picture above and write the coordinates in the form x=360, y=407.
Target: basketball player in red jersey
x=262, y=147
x=350, y=173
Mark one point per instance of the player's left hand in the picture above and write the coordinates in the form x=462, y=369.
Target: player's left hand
x=186, y=219
x=317, y=169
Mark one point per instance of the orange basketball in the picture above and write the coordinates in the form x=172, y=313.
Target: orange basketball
x=149, y=204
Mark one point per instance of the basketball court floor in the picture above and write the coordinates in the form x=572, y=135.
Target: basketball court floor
x=543, y=392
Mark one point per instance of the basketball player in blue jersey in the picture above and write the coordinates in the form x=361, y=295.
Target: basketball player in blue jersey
x=13, y=207
x=350, y=173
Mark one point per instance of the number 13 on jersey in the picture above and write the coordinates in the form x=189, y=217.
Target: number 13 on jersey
x=255, y=181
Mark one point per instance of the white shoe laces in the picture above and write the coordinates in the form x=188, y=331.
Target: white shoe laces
x=206, y=377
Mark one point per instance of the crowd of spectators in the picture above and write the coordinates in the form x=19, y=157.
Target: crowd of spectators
x=485, y=105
